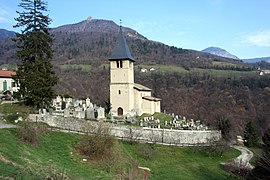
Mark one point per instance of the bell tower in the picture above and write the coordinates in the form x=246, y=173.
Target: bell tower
x=121, y=77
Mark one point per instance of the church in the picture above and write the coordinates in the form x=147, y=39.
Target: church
x=126, y=96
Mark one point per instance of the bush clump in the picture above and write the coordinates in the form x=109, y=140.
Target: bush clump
x=98, y=144
x=28, y=133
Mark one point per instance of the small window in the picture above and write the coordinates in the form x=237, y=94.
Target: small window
x=119, y=92
x=121, y=64
x=117, y=62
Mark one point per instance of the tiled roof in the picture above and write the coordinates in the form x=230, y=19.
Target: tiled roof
x=150, y=98
x=141, y=87
x=121, y=50
x=5, y=73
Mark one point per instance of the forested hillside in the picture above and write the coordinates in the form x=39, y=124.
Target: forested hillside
x=191, y=83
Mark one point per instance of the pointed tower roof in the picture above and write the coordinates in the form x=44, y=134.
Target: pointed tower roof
x=121, y=50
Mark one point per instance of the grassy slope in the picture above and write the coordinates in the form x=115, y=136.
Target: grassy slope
x=183, y=163
x=54, y=153
x=257, y=153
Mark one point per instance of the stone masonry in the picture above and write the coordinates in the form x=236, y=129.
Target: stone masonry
x=150, y=135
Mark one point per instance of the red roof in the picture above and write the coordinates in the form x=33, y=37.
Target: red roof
x=5, y=73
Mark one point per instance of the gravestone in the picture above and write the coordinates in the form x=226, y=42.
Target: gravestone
x=90, y=113
x=141, y=123
x=101, y=113
x=58, y=99
x=87, y=101
x=129, y=119
x=66, y=113
x=81, y=114
x=78, y=109
x=76, y=103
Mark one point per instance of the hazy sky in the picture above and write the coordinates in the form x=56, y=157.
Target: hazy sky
x=242, y=27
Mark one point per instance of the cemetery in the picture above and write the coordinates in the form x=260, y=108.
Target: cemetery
x=81, y=109
x=174, y=122
x=83, y=116
x=85, y=109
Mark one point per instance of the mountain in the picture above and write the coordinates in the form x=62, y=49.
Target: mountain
x=219, y=52
x=91, y=42
x=4, y=34
x=253, y=60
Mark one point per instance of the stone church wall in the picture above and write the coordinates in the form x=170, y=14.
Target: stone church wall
x=150, y=135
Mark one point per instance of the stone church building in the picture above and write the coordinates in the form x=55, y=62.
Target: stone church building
x=126, y=96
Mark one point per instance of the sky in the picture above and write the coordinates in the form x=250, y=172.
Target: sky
x=242, y=27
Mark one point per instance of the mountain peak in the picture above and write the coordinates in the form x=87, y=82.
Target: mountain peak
x=89, y=18
x=219, y=52
x=91, y=25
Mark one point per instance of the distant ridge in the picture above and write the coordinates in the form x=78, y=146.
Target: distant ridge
x=219, y=52
x=253, y=60
x=4, y=34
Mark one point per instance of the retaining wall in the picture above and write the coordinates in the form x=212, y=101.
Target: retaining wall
x=150, y=135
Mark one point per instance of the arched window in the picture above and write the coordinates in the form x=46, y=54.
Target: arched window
x=119, y=92
x=121, y=64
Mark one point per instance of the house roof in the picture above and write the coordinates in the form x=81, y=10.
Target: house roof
x=141, y=87
x=150, y=98
x=121, y=50
x=5, y=73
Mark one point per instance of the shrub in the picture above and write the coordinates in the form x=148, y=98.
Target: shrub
x=99, y=145
x=11, y=117
x=28, y=133
x=240, y=171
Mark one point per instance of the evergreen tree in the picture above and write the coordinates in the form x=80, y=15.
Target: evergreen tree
x=266, y=140
x=251, y=135
x=35, y=74
x=262, y=167
x=225, y=127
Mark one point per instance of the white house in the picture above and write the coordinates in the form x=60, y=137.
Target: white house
x=6, y=81
x=127, y=97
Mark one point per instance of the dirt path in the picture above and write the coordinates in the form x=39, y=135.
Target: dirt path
x=244, y=158
x=5, y=125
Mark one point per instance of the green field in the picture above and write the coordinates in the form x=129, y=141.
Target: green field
x=221, y=63
x=199, y=71
x=56, y=153
x=163, y=68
